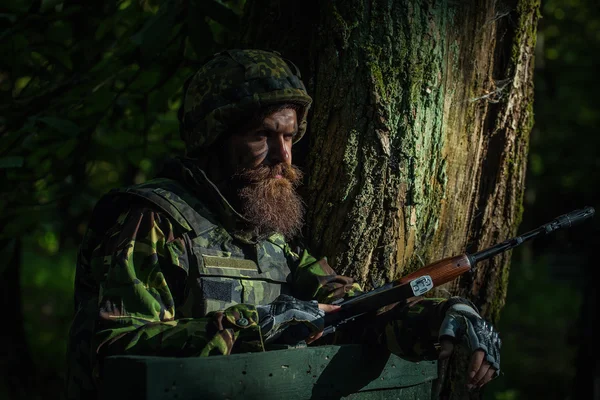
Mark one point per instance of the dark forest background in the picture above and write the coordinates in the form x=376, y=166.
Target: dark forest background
x=89, y=93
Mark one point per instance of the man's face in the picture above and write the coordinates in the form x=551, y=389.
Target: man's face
x=268, y=144
x=263, y=177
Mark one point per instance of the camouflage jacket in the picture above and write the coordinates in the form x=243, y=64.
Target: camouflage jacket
x=152, y=280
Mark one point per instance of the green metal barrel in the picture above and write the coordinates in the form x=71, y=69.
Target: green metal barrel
x=323, y=372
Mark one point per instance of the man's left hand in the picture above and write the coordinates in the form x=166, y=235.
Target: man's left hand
x=462, y=320
x=480, y=371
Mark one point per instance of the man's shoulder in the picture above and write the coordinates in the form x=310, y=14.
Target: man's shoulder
x=164, y=195
x=113, y=208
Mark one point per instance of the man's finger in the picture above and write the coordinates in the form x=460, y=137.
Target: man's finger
x=476, y=360
x=328, y=308
x=485, y=367
x=447, y=348
x=488, y=377
x=413, y=300
x=314, y=337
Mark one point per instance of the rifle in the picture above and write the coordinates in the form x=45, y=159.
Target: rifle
x=438, y=273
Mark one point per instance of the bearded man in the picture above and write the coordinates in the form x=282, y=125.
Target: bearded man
x=199, y=261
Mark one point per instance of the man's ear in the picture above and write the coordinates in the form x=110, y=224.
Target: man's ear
x=222, y=155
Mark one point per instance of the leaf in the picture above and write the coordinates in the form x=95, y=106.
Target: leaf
x=66, y=149
x=16, y=6
x=64, y=126
x=146, y=80
x=54, y=53
x=10, y=17
x=98, y=102
x=21, y=222
x=11, y=162
x=156, y=32
x=48, y=5
x=10, y=138
x=220, y=13
x=199, y=32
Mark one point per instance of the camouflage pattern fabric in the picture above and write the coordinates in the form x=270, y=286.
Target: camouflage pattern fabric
x=412, y=331
x=315, y=279
x=136, y=288
x=235, y=84
x=135, y=292
x=128, y=290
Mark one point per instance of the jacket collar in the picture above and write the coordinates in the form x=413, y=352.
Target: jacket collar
x=187, y=172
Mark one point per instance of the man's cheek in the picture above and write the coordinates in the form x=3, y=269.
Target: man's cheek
x=256, y=155
x=250, y=157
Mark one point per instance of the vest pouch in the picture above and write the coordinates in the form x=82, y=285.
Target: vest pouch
x=219, y=293
x=227, y=280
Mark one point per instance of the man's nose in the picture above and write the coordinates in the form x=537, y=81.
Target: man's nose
x=279, y=151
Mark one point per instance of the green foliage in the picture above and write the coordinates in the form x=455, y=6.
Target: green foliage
x=543, y=324
x=91, y=91
x=47, y=289
x=536, y=322
x=567, y=107
x=89, y=98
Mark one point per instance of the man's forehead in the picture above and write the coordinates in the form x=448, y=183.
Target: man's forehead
x=281, y=120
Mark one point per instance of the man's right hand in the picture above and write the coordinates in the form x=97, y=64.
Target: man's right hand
x=328, y=308
x=286, y=311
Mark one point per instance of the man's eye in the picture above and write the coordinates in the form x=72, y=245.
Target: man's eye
x=289, y=136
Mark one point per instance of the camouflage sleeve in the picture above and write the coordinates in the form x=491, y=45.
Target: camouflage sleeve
x=412, y=331
x=136, y=312
x=316, y=280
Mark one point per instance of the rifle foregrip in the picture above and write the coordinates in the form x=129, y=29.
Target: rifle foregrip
x=442, y=271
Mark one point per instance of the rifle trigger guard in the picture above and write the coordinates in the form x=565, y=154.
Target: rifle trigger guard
x=421, y=285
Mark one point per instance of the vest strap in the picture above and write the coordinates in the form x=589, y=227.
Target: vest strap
x=172, y=203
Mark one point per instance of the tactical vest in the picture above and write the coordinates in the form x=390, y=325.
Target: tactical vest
x=224, y=269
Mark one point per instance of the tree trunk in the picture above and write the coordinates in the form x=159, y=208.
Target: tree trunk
x=419, y=129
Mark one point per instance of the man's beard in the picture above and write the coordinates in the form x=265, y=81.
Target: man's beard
x=269, y=203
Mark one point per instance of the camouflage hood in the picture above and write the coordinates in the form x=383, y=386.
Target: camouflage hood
x=234, y=85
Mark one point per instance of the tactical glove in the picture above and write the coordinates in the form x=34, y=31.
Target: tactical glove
x=462, y=320
x=285, y=312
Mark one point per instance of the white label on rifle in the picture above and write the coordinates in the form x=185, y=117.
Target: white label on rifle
x=421, y=285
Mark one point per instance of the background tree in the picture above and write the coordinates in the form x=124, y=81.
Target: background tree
x=89, y=95
x=552, y=291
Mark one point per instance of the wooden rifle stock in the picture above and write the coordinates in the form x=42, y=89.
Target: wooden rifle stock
x=441, y=271
x=411, y=285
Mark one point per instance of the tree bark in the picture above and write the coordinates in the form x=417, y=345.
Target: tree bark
x=419, y=130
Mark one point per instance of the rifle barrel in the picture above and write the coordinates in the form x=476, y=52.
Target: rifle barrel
x=563, y=221
x=438, y=273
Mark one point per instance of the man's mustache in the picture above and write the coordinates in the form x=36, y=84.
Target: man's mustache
x=264, y=172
